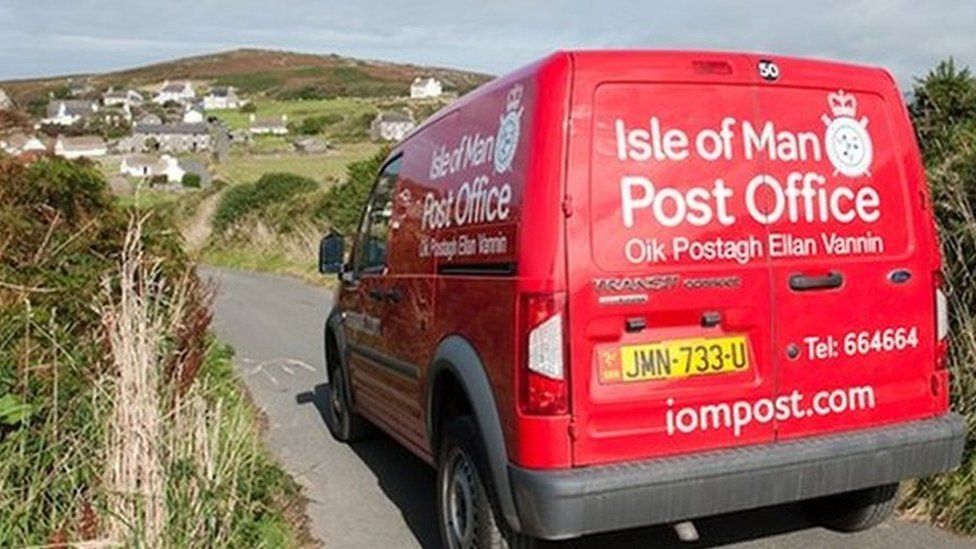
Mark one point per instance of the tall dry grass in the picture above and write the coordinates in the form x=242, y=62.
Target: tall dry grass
x=183, y=462
x=950, y=499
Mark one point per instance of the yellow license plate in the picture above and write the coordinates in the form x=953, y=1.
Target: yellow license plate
x=673, y=359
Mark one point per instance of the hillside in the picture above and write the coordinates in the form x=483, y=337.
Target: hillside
x=278, y=74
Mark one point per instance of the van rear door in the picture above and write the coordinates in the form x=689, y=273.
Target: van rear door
x=851, y=257
x=670, y=298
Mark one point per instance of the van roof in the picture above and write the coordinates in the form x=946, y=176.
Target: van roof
x=600, y=57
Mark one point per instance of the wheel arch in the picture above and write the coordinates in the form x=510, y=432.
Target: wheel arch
x=457, y=360
x=333, y=329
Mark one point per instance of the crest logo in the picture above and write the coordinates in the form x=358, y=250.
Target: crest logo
x=846, y=139
x=509, y=129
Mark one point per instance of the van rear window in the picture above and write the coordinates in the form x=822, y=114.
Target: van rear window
x=707, y=174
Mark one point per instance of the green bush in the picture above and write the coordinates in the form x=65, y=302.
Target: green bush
x=63, y=236
x=944, y=113
x=191, y=181
x=342, y=204
x=242, y=200
x=314, y=125
x=248, y=108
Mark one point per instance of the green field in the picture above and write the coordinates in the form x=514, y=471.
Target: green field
x=296, y=110
x=246, y=168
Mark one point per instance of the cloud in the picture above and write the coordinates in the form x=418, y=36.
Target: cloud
x=87, y=35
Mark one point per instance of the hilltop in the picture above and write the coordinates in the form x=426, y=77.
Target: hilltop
x=279, y=74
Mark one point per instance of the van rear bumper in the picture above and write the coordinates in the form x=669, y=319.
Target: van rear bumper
x=572, y=502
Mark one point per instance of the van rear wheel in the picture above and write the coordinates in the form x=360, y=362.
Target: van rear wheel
x=466, y=508
x=854, y=511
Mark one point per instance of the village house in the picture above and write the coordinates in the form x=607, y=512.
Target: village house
x=79, y=88
x=269, y=126
x=85, y=146
x=171, y=138
x=122, y=98
x=67, y=112
x=18, y=143
x=222, y=97
x=310, y=145
x=179, y=91
x=5, y=102
x=424, y=87
x=149, y=119
x=149, y=166
x=193, y=114
x=391, y=126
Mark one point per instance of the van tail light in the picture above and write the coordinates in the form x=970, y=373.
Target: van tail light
x=941, y=322
x=542, y=376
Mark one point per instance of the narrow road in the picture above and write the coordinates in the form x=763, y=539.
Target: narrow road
x=376, y=494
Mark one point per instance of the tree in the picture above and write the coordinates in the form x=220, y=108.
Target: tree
x=944, y=108
x=191, y=181
x=343, y=203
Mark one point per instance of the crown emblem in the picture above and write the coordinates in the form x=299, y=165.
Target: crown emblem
x=514, y=97
x=842, y=104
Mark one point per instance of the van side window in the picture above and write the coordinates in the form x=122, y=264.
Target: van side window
x=375, y=229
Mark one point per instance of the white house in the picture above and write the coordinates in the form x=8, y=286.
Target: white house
x=65, y=112
x=222, y=97
x=193, y=114
x=5, y=101
x=269, y=126
x=148, y=166
x=124, y=98
x=19, y=143
x=391, y=126
x=79, y=147
x=423, y=87
x=180, y=91
x=172, y=138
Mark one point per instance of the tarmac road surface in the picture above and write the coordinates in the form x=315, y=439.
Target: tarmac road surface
x=375, y=494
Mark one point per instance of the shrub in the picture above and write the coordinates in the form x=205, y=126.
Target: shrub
x=191, y=181
x=248, y=108
x=242, y=200
x=342, y=204
x=944, y=113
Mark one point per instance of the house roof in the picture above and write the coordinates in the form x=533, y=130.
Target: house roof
x=222, y=91
x=269, y=122
x=18, y=140
x=394, y=117
x=73, y=107
x=174, y=87
x=81, y=143
x=121, y=94
x=143, y=160
x=424, y=80
x=183, y=128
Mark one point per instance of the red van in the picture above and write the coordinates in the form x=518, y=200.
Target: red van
x=616, y=289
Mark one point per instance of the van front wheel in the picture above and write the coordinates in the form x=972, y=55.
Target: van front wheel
x=854, y=511
x=466, y=514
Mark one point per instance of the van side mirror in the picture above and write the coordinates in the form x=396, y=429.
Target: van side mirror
x=332, y=250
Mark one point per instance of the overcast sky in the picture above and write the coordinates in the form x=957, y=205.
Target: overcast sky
x=39, y=37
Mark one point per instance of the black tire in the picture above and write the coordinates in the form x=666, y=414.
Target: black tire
x=854, y=511
x=467, y=510
x=344, y=423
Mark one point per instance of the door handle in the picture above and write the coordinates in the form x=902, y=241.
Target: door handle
x=804, y=283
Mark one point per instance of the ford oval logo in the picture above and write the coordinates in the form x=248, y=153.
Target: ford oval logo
x=899, y=276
